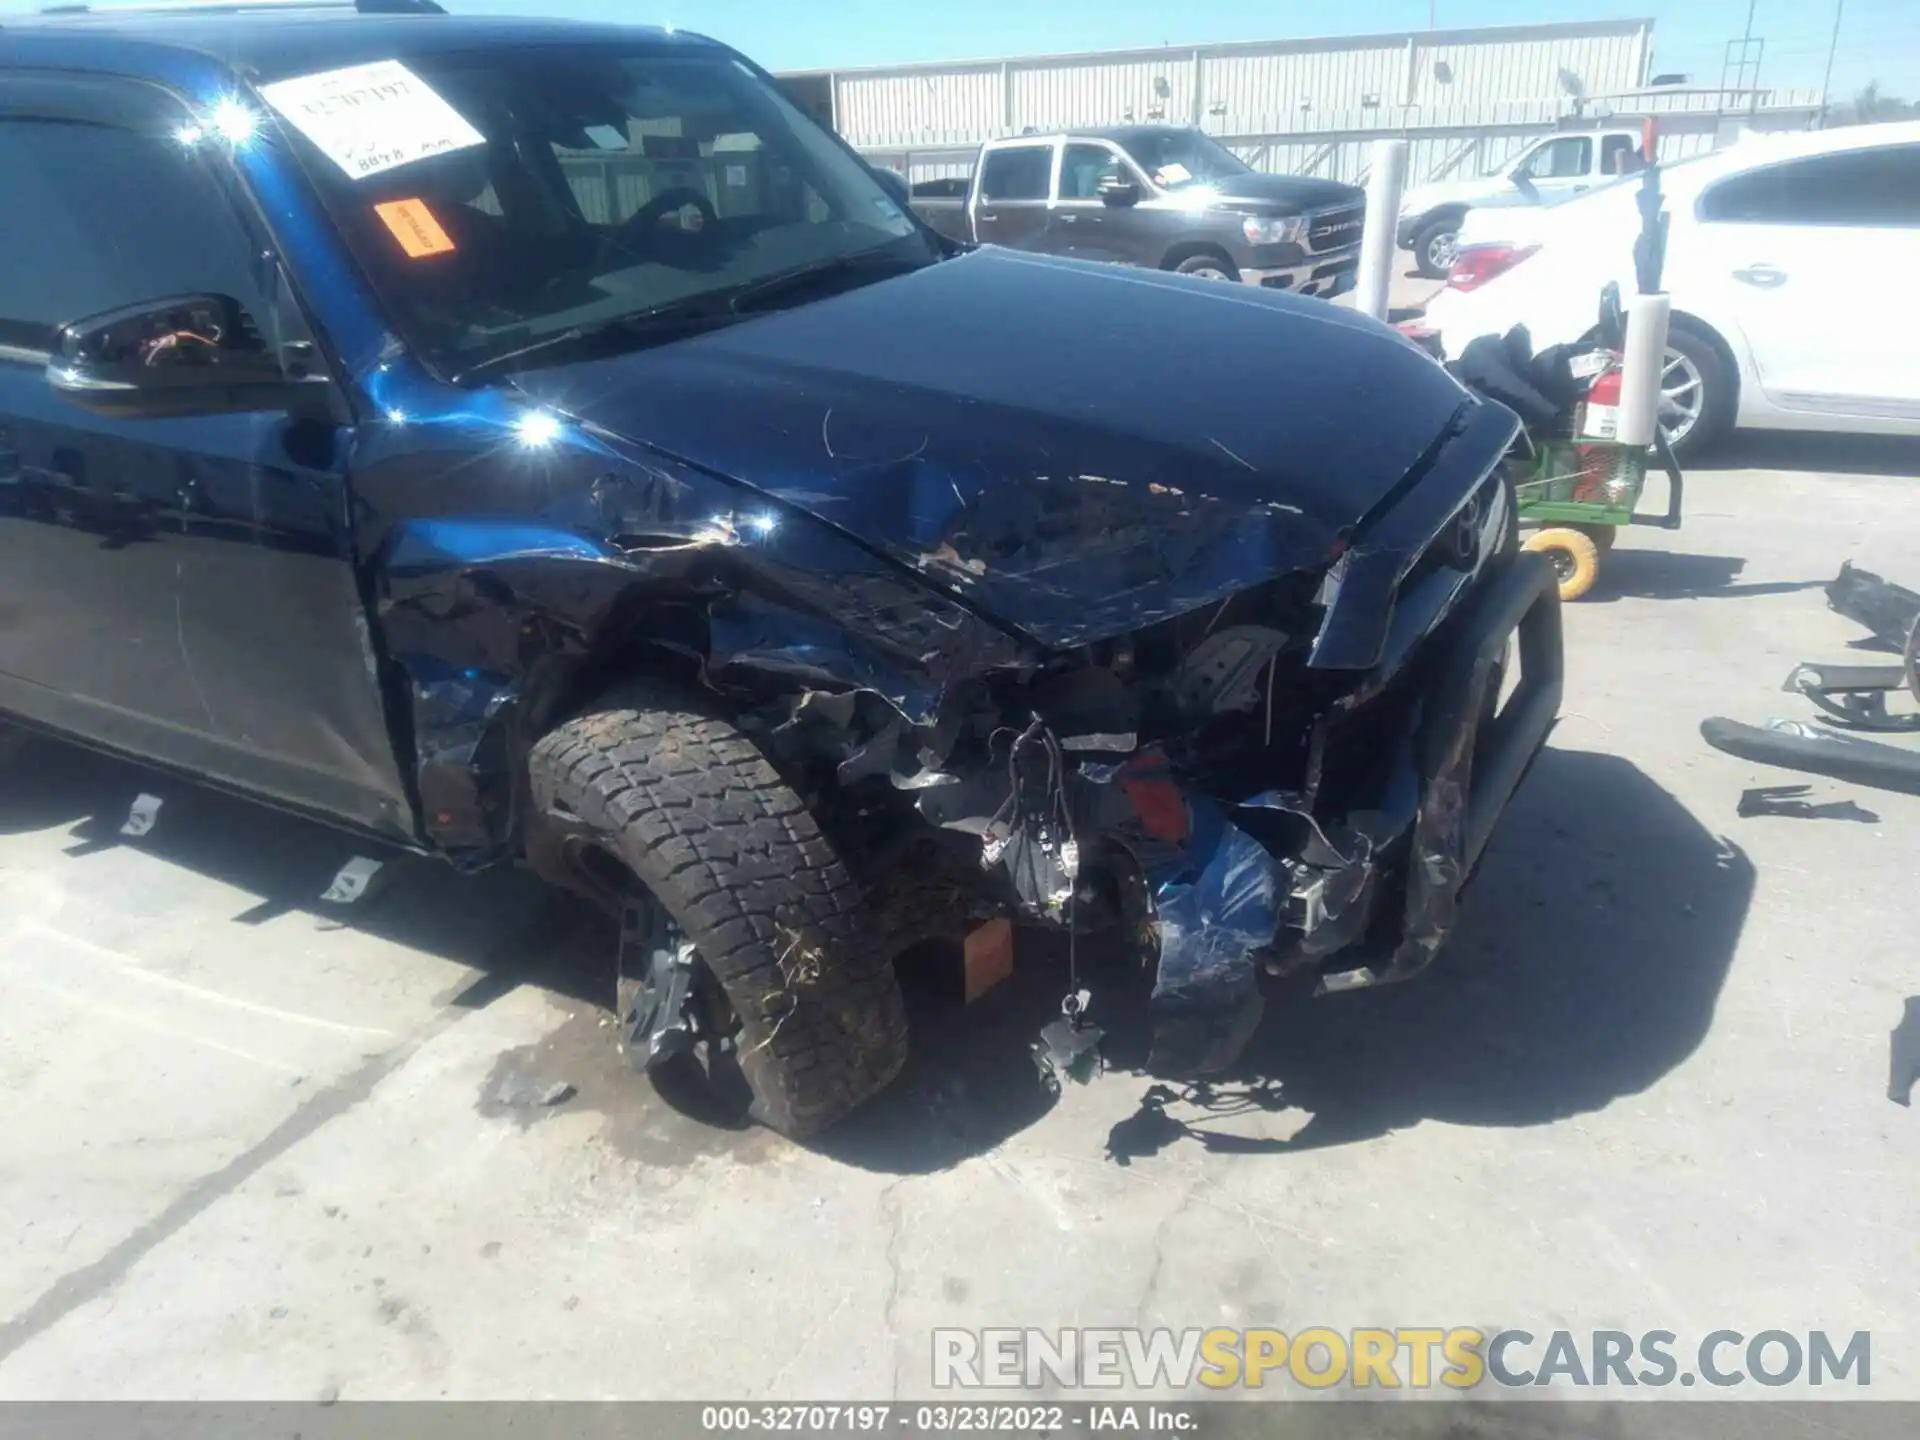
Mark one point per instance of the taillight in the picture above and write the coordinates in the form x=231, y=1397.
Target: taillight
x=1475, y=265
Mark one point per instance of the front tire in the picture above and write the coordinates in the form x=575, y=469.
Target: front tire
x=694, y=811
x=1207, y=267
x=1696, y=393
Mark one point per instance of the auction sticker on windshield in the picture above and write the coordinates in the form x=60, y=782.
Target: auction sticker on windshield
x=370, y=118
x=415, y=227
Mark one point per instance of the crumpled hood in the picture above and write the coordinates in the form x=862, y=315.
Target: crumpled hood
x=1075, y=450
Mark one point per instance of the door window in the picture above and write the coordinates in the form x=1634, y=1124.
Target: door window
x=99, y=218
x=1567, y=158
x=1872, y=189
x=1620, y=155
x=1081, y=170
x=1021, y=173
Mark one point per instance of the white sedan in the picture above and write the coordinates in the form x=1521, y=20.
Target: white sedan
x=1794, y=266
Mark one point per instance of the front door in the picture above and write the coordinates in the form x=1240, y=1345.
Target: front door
x=1010, y=203
x=1801, y=255
x=1561, y=166
x=1083, y=225
x=180, y=589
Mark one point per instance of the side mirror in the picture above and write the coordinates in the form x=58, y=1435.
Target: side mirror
x=1117, y=190
x=896, y=186
x=184, y=355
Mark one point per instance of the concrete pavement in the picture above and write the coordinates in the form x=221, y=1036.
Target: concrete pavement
x=250, y=1151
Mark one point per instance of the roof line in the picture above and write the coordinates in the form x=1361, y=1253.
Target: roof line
x=1552, y=29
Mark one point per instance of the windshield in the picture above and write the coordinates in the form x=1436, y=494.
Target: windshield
x=572, y=188
x=1174, y=159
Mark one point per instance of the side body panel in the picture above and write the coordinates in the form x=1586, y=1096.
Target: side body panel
x=180, y=590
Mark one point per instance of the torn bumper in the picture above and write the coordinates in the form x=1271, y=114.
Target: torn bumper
x=1376, y=902
x=1362, y=874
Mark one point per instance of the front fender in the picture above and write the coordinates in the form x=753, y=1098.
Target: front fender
x=509, y=581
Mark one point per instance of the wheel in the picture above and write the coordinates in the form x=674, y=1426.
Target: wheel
x=1602, y=536
x=1696, y=393
x=1576, y=559
x=1435, y=246
x=1207, y=267
x=778, y=962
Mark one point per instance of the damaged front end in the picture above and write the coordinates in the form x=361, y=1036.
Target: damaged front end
x=1296, y=778
x=1255, y=687
x=1258, y=812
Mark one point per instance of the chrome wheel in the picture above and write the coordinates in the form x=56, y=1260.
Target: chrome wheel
x=1683, y=397
x=1210, y=272
x=1442, y=249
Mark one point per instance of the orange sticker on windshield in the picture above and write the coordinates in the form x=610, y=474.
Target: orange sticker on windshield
x=413, y=225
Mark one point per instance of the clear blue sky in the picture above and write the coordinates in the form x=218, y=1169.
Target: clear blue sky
x=1879, y=39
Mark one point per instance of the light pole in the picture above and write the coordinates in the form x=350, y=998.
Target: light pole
x=1833, y=45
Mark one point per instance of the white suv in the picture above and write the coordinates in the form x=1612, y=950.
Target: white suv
x=1794, y=267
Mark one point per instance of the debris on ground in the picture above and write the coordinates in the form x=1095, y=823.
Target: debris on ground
x=1069, y=1048
x=1850, y=698
x=1789, y=801
x=525, y=1092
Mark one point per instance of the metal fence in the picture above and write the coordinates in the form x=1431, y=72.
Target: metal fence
x=1330, y=83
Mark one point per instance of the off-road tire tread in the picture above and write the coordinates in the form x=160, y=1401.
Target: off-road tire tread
x=702, y=818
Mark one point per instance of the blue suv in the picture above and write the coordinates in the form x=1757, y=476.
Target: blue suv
x=524, y=440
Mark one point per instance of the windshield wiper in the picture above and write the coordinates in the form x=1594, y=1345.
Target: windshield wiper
x=756, y=294
x=675, y=317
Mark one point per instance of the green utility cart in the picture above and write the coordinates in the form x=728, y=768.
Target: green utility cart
x=1576, y=494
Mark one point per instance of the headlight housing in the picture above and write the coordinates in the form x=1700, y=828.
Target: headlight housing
x=1262, y=230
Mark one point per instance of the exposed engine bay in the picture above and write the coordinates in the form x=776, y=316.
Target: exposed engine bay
x=1204, y=779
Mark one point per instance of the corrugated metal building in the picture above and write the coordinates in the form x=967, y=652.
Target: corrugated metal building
x=1361, y=82
x=1466, y=98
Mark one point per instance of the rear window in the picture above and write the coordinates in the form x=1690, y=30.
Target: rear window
x=1874, y=189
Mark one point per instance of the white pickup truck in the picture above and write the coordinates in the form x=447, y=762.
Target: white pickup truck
x=1430, y=215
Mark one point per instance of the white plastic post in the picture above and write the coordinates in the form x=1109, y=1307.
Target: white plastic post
x=1641, y=368
x=1385, y=181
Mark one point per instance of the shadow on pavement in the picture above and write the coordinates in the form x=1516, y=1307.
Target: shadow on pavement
x=1630, y=574
x=1897, y=455
x=1586, y=965
x=1589, y=956
x=505, y=922
x=971, y=1081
